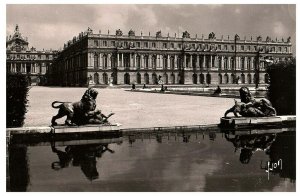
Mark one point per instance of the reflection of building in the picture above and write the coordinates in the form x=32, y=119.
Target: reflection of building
x=22, y=59
x=142, y=59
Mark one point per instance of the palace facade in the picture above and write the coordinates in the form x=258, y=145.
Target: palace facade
x=20, y=58
x=101, y=59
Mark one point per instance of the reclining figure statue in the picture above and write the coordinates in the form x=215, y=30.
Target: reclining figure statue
x=251, y=107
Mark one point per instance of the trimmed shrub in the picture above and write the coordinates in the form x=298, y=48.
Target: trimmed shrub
x=282, y=87
x=16, y=99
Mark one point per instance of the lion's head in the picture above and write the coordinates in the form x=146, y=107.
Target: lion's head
x=90, y=93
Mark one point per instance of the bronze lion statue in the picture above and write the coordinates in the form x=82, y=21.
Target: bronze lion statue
x=76, y=112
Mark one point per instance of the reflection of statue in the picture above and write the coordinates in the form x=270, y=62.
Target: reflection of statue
x=81, y=155
x=251, y=107
x=251, y=143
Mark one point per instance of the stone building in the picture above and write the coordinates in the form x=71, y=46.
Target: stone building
x=20, y=58
x=95, y=58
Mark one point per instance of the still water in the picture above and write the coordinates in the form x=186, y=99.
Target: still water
x=162, y=161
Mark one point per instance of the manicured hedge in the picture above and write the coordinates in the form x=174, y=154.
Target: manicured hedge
x=282, y=86
x=16, y=99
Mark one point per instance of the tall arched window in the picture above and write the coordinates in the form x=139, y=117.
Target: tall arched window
x=179, y=63
x=138, y=78
x=146, y=78
x=242, y=63
x=96, y=61
x=225, y=63
x=172, y=62
x=153, y=62
x=165, y=62
x=105, y=61
x=232, y=63
x=146, y=61
x=248, y=63
x=138, y=61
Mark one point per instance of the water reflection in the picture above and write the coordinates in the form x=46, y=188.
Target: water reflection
x=249, y=144
x=83, y=156
x=201, y=160
x=280, y=147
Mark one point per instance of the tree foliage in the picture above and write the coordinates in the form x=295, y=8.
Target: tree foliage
x=16, y=99
x=282, y=86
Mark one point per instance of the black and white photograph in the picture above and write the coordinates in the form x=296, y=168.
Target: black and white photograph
x=149, y=96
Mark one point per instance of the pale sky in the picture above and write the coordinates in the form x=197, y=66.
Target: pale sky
x=50, y=26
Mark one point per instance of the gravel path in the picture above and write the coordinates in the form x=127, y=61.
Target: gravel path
x=133, y=109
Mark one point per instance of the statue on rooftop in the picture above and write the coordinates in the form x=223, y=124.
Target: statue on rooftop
x=186, y=34
x=212, y=35
x=119, y=32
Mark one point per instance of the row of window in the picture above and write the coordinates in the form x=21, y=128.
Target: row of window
x=125, y=44
x=39, y=57
x=171, y=79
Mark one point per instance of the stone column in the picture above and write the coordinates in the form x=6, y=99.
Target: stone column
x=122, y=60
x=130, y=60
x=25, y=68
x=251, y=63
x=108, y=61
x=168, y=62
x=222, y=63
x=118, y=60
x=142, y=61
x=184, y=61
x=92, y=60
x=134, y=61
x=157, y=62
x=191, y=61
x=211, y=61
x=100, y=60
x=175, y=62
x=198, y=62
x=149, y=61
x=203, y=62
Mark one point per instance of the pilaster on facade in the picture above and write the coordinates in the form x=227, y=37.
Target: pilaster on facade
x=142, y=61
x=175, y=62
x=109, y=65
